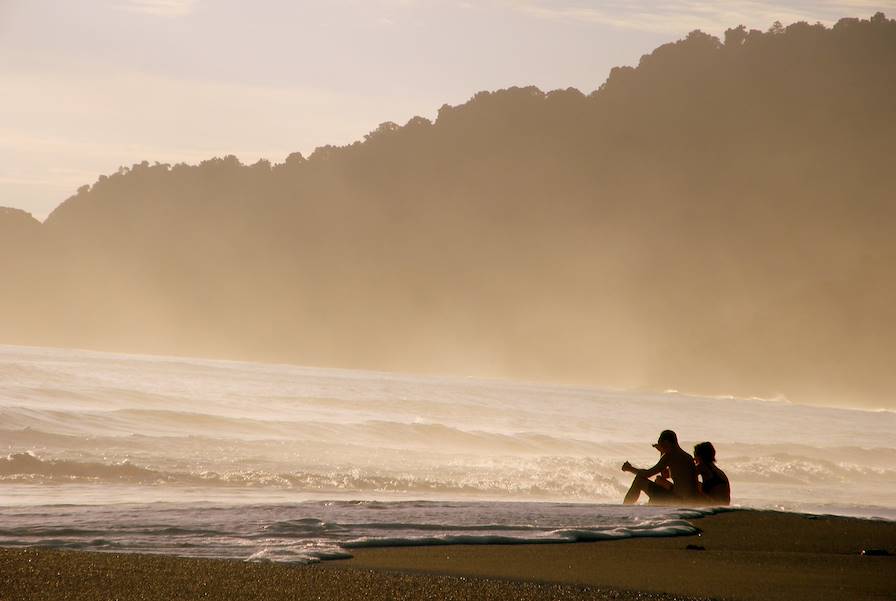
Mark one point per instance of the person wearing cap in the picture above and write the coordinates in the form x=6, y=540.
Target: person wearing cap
x=682, y=473
x=714, y=486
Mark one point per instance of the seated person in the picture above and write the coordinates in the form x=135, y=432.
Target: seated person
x=714, y=486
x=680, y=488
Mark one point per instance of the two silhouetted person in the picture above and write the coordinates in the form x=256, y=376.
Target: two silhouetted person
x=677, y=471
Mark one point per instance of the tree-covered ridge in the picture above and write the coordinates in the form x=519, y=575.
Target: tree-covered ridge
x=717, y=218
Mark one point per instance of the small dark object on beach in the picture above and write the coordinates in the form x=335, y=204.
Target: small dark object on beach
x=875, y=552
x=695, y=548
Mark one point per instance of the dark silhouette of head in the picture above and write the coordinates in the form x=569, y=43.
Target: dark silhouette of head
x=667, y=441
x=705, y=452
x=668, y=436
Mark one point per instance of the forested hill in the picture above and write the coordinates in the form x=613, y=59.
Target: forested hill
x=719, y=218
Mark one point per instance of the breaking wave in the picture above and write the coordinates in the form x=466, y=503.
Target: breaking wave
x=509, y=477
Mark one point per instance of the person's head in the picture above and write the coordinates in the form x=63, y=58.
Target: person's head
x=705, y=453
x=667, y=441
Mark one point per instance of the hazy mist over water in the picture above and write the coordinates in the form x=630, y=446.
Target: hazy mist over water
x=276, y=462
x=717, y=219
x=166, y=424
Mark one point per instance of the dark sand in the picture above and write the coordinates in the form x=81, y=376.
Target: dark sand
x=72, y=575
x=748, y=555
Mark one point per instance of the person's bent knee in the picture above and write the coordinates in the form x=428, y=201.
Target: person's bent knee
x=642, y=482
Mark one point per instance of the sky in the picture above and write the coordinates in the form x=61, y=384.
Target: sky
x=91, y=85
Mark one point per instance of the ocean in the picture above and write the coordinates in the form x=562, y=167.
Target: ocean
x=255, y=461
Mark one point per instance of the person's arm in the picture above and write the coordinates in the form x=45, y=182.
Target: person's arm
x=647, y=473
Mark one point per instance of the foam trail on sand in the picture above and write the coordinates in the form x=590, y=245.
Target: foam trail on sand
x=318, y=530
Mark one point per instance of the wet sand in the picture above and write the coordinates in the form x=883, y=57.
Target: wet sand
x=747, y=555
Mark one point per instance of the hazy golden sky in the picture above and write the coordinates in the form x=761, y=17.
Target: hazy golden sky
x=89, y=85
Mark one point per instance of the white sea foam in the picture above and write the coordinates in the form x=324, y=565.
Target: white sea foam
x=312, y=531
x=100, y=429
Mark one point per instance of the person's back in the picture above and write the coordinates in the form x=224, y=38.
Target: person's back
x=714, y=488
x=683, y=472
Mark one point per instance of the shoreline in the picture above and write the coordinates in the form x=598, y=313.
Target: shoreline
x=746, y=554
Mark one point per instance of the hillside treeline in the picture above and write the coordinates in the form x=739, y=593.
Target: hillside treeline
x=719, y=218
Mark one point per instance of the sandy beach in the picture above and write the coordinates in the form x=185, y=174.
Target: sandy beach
x=747, y=555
